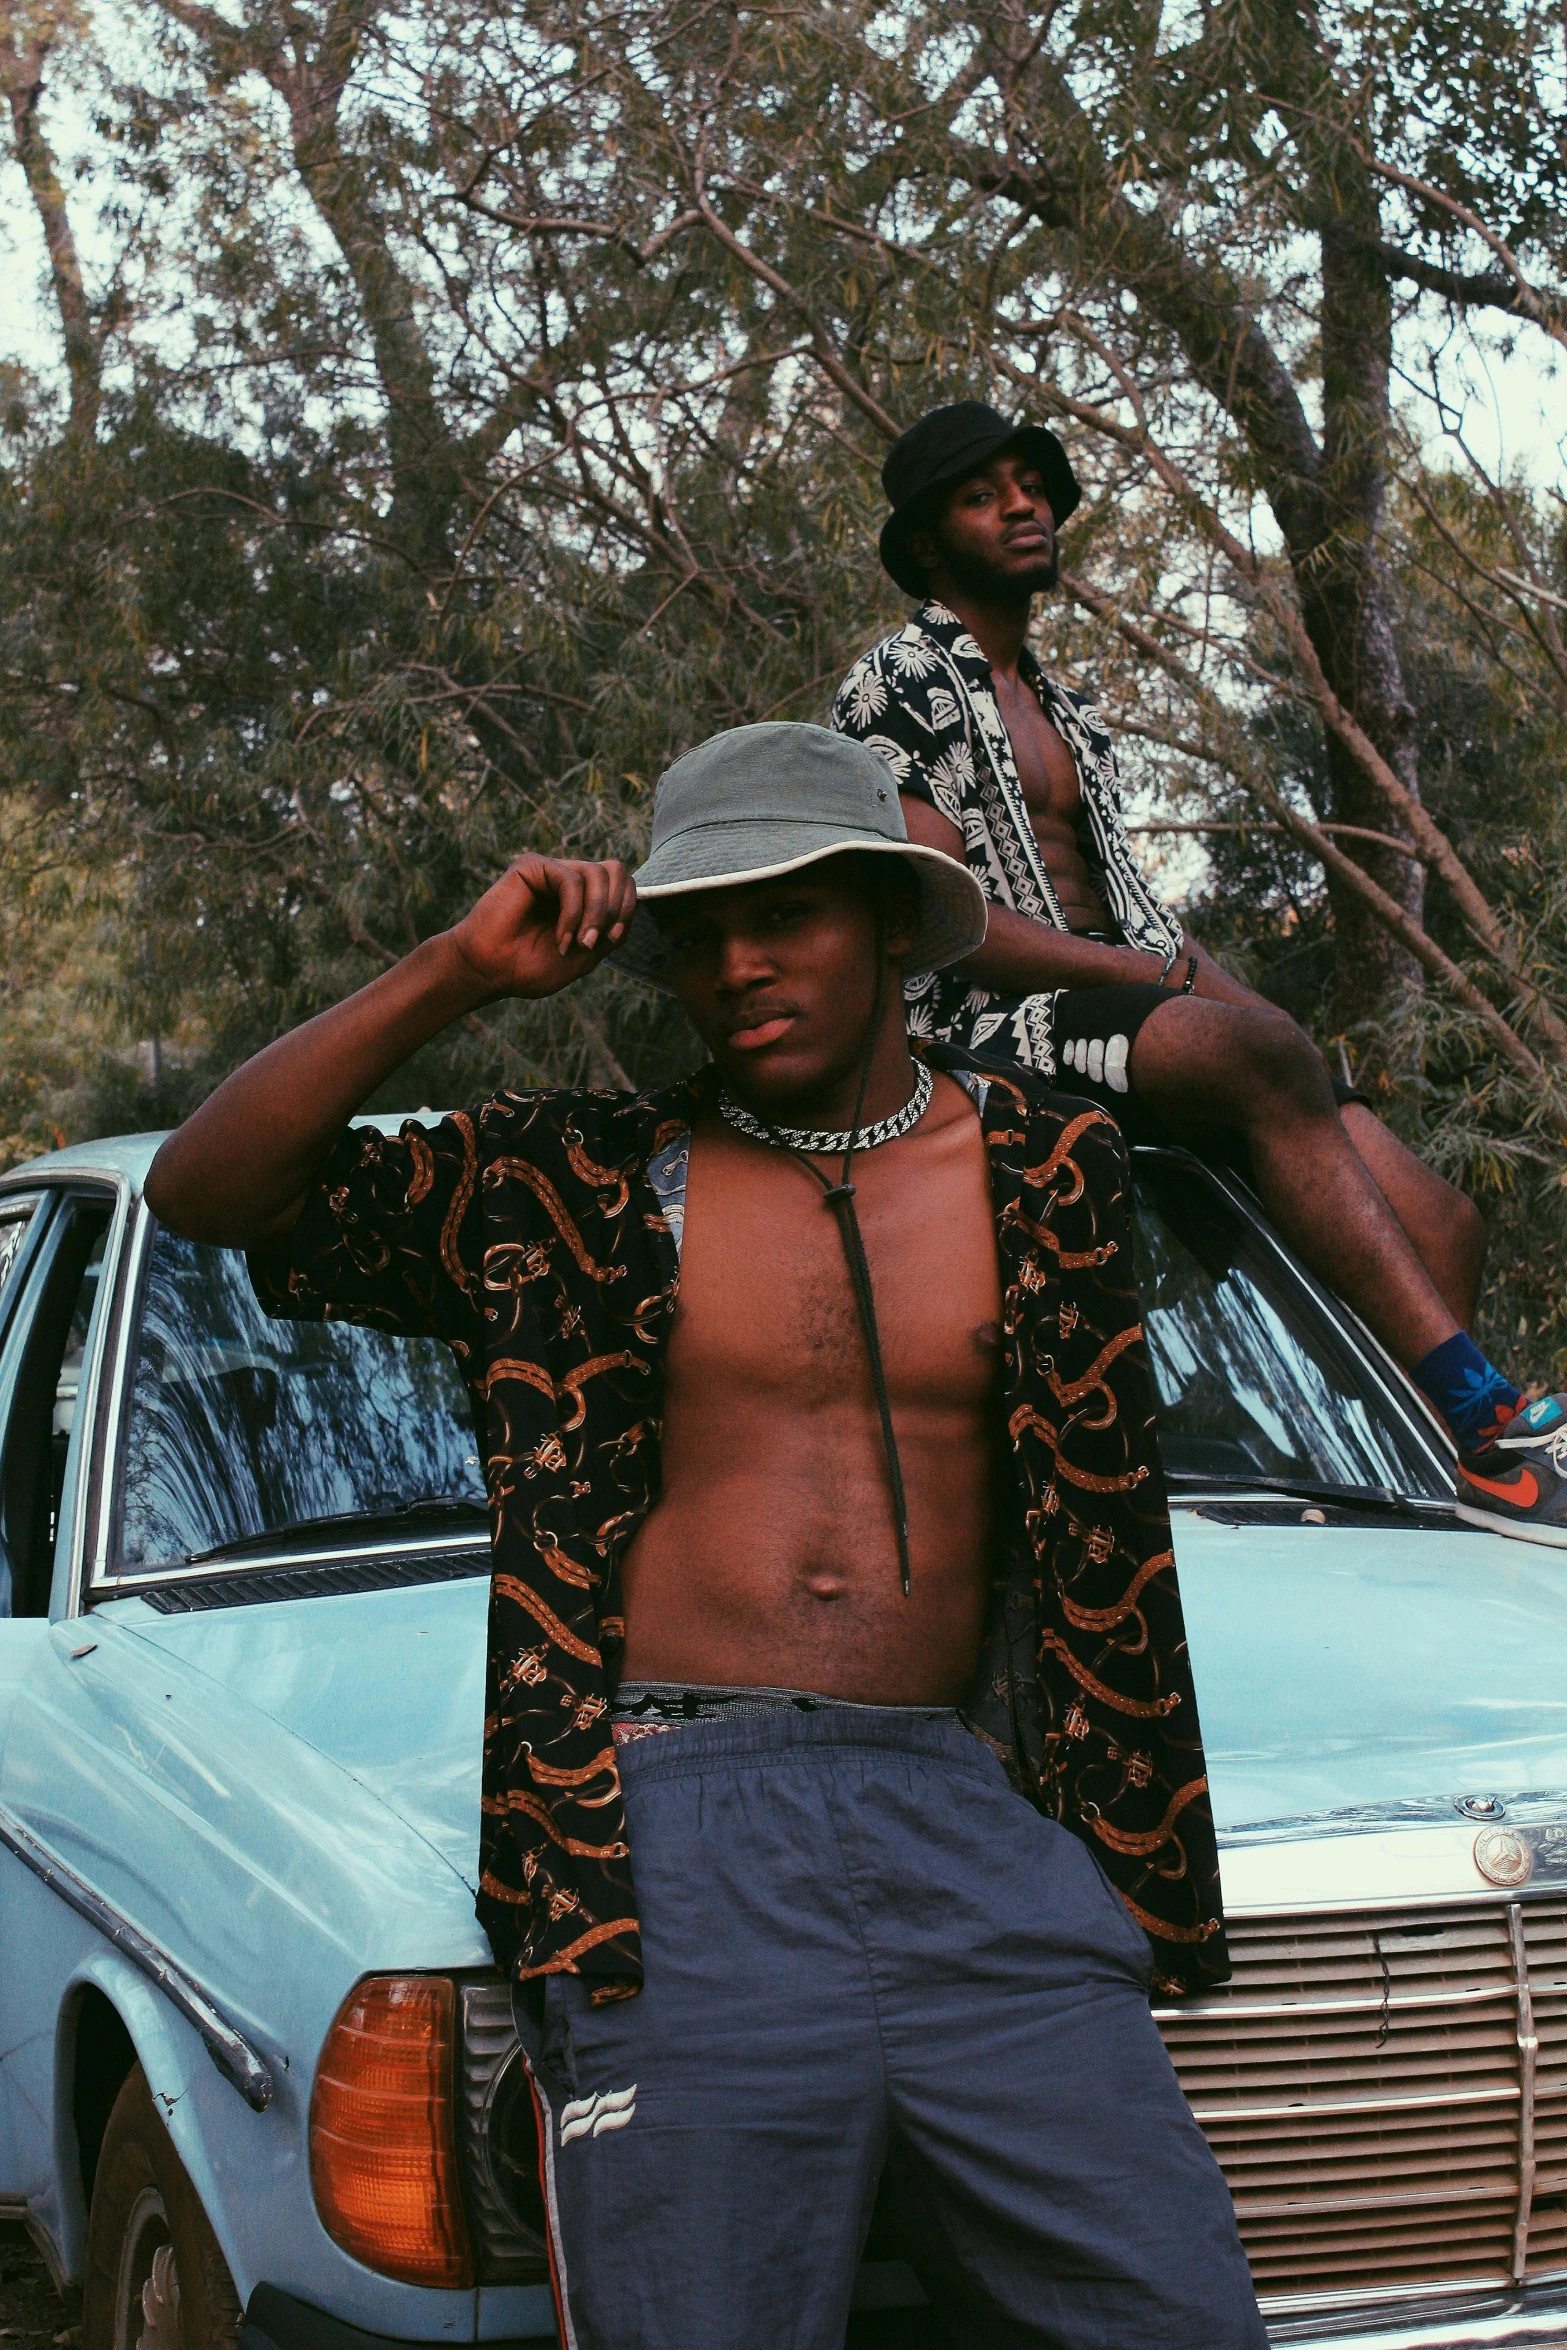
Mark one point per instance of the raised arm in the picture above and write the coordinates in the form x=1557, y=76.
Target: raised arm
x=239, y=1170
x=1020, y=956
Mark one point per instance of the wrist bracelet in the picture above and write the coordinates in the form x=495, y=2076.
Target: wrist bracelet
x=1191, y=975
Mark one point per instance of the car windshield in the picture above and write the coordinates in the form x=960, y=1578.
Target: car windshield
x=239, y=1426
x=1254, y=1378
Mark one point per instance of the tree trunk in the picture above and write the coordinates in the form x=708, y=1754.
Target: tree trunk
x=425, y=474
x=1327, y=496
x=309, y=68
x=22, y=75
x=1342, y=578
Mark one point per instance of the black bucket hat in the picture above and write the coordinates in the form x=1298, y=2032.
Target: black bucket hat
x=946, y=447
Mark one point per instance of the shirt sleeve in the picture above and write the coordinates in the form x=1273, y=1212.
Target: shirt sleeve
x=911, y=717
x=391, y=1235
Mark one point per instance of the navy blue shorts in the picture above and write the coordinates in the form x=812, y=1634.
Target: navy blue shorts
x=866, y=1954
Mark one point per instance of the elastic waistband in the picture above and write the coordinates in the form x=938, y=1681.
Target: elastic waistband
x=939, y=1733
x=679, y=1703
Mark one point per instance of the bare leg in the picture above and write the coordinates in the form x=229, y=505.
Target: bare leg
x=1203, y=1064
x=1447, y=1229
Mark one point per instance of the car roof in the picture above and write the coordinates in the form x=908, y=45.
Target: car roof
x=130, y=1155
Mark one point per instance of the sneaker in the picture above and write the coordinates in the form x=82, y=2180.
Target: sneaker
x=1534, y=1421
x=1518, y=1485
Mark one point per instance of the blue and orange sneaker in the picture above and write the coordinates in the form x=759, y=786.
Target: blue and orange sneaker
x=1518, y=1484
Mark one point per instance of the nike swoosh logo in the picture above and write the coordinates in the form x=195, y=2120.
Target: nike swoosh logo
x=1514, y=1491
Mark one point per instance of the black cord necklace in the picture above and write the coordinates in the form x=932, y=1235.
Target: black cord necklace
x=839, y=1197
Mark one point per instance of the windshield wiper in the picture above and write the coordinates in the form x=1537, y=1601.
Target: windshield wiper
x=393, y=1514
x=1358, y=1497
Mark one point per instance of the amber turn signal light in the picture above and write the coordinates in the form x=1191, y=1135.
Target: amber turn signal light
x=383, y=2153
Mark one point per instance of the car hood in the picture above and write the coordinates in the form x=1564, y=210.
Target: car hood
x=1338, y=1667
x=387, y=1684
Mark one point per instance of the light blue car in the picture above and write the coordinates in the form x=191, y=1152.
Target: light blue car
x=257, y=2073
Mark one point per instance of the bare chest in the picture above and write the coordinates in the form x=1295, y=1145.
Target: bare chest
x=765, y=1303
x=1046, y=769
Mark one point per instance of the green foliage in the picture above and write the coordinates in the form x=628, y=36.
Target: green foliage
x=490, y=402
x=1491, y=693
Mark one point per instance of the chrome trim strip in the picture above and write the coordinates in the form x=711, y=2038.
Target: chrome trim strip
x=1297, y=2010
x=1375, y=2300
x=91, y=1386
x=1349, y=2301
x=129, y=1288
x=234, y=2057
x=1440, y=1897
x=1465, y=2200
x=1516, y=2329
x=1302, y=2110
x=1528, y=2057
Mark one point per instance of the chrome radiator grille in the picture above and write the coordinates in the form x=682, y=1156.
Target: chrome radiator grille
x=1369, y=2082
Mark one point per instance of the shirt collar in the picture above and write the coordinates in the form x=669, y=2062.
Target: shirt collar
x=934, y=620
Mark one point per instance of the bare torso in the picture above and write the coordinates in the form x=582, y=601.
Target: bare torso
x=1053, y=796
x=771, y=1557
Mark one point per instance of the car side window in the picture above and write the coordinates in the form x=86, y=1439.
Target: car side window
x=15, y=1217
x=37, y=1434
x=1252, y=1380
x=239, y=1426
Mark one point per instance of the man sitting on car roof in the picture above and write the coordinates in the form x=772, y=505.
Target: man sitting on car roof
x=837, y=1666
x=1085, y=977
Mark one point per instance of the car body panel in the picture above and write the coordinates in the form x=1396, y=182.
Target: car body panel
x=389, y=1685
x=1340, y=1667
x=268, y=1872
x=285, y=1796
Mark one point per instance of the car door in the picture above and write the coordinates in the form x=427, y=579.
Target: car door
x=53, y=1244
x=42, y=1362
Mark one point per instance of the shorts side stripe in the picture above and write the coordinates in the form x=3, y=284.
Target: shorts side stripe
x=557, y=2249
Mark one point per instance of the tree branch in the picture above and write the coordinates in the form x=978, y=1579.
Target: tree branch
x=1484, y=289
x=1389, y=912
x=1545, y=309
x=1436, y=851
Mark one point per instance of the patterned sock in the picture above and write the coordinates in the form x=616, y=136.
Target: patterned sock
x=1470, y=1393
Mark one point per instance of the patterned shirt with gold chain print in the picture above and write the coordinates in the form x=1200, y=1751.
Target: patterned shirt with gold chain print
x=537, y=1234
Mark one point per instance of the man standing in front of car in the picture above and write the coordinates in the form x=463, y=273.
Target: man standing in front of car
x=836, y=1656
x=1085, y=977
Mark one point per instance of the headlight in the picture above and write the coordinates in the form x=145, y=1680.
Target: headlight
x=383, y=2154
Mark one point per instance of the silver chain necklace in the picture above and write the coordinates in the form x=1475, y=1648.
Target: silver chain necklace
x=817, y=1140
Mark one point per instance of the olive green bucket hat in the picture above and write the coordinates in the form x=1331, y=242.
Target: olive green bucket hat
x=764, y=800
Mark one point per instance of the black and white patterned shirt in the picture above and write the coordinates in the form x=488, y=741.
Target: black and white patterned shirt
x=923, y=698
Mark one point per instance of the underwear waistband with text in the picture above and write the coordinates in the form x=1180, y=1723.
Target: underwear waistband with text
x=648, y=1709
